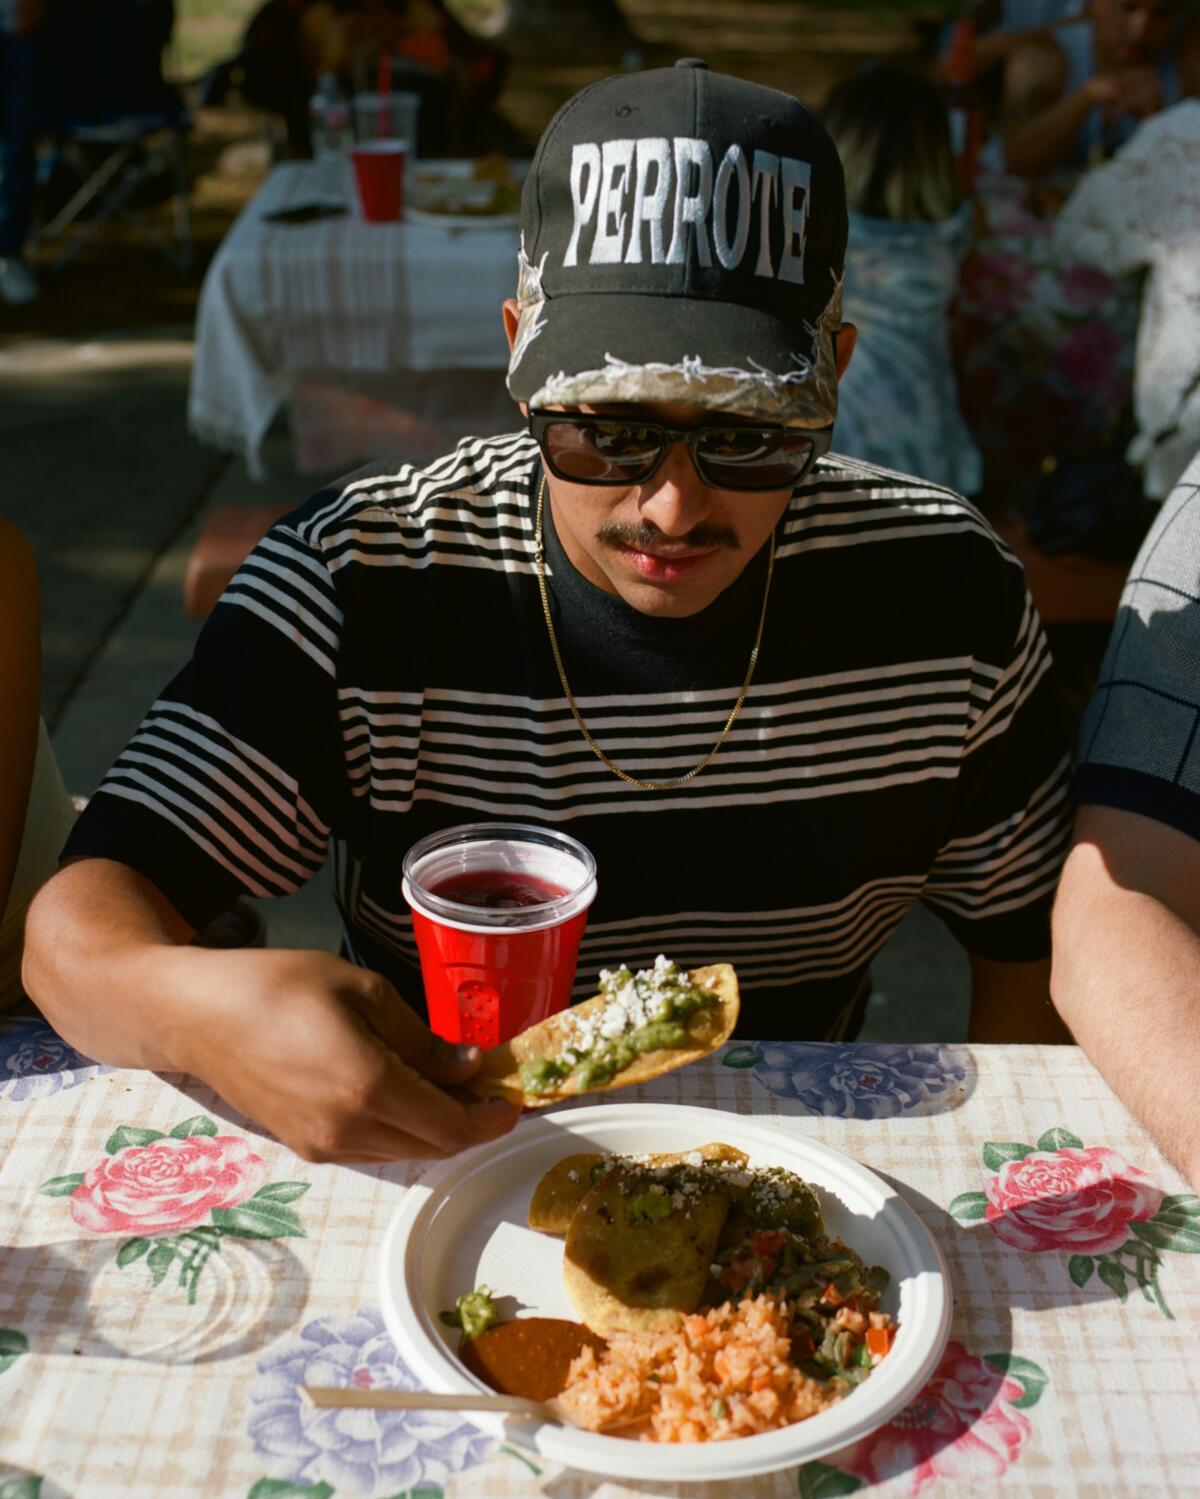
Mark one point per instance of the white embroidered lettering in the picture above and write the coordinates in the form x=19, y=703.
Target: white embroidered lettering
x=610, y=222
x=733, y=168
x=766, y=182
x=795, y=197
x=585, y=157
x=650, y=205
x=691, y=207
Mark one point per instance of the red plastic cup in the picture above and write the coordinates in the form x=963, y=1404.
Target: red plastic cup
x=498, y=909
x=379, y=170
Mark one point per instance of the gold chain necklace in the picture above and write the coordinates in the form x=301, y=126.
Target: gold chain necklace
x=539, y=561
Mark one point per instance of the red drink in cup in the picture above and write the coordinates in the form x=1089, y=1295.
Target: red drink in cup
x=379, y=169
x=498, y=909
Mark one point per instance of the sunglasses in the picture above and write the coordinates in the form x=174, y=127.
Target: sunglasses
x=587, y=449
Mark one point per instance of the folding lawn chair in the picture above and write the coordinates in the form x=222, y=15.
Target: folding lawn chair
x=119, y=130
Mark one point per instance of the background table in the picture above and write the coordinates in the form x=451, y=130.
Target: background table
x=168, y=1276
x=385, y=338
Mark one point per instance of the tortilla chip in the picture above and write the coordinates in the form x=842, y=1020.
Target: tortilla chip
x=627, y=1273
x=568, y=1182
x=710, y=1027
x=560, y=1192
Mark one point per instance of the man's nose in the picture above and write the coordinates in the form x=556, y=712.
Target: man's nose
x=676, y=499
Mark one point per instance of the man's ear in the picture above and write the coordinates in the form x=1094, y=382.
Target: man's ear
x=844, y=339
x=512, y=316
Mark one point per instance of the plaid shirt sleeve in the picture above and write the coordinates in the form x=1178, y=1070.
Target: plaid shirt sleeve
x=1139, y=749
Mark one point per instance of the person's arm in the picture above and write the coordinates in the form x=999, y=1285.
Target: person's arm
x=232, y=786
x=1042, y=117
x=20, y=693
x=1011, y=1002
x=323, y=1054
x=1126, y=973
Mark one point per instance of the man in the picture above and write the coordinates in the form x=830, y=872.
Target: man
x=779, y=696
x=1078, y=91
x=1127, y=918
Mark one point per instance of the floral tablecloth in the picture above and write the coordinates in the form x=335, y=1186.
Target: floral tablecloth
x=168, y=1276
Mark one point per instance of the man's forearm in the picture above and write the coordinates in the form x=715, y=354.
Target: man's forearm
x=1126, y=980
x=107, y=963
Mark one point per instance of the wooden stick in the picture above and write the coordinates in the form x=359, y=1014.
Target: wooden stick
x=409, y=1400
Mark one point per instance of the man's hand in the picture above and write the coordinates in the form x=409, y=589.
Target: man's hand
x=329, y=1058
x=1133, y=91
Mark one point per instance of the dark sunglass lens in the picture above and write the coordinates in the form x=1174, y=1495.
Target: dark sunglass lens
x=599, y=452
x=751, y=457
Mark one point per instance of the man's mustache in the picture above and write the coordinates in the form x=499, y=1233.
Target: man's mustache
x=642, y=538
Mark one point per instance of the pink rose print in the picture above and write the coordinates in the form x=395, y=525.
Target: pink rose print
x=167, y=1186
x=1077, y=1201
x=1083, y=287
x=999, y=282
x=177, y=1196
x=1108, y=1217
x=963, y=1427
x=1090, y=357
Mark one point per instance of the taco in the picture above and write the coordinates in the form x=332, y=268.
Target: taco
x=639, y=1247
x=639, y=1026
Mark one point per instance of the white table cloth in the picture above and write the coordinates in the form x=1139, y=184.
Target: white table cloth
x=416, y=303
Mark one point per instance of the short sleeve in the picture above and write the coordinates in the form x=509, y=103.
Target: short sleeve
x=995, y=874
x=231, y=782
x=1139, y=745
x=1115, y=216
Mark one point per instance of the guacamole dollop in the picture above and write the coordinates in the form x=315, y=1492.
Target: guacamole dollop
x=644, y=1011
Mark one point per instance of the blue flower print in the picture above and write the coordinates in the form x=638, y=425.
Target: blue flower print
x=35, y=1061
x=870, y=1081
x=360, y=1454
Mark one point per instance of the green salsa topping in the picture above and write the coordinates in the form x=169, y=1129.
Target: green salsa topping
x=649, y=1206
x=645, y=1011
x=474, y=1313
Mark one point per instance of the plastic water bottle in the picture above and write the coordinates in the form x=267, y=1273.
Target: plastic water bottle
x=329, y=117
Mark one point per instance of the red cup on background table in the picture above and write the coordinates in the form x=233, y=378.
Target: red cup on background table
x=498, y=909
x=379, y=172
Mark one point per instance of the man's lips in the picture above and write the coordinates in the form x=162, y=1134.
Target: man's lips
x=666, y=566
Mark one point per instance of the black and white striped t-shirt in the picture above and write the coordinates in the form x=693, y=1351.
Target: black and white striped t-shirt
x=379, y=668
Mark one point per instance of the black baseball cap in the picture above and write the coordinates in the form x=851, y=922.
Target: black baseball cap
x=682, y=239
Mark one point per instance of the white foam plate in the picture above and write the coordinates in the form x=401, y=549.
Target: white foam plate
x=432, y=184
x=464, y=1225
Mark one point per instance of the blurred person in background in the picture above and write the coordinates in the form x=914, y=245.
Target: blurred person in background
x=21, y=37
x=908, y=232
x=288, y=45
x=1141, y=212
x=35, y=811
x=1075, y=94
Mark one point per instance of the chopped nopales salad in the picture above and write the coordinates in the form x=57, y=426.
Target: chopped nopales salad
x=838, y=1332
x=644, y=1011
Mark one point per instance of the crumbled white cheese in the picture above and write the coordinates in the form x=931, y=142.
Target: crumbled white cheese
x=573, y=1175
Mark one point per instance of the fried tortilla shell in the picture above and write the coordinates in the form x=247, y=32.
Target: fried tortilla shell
x=708, y=1028
x=627, y=1271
